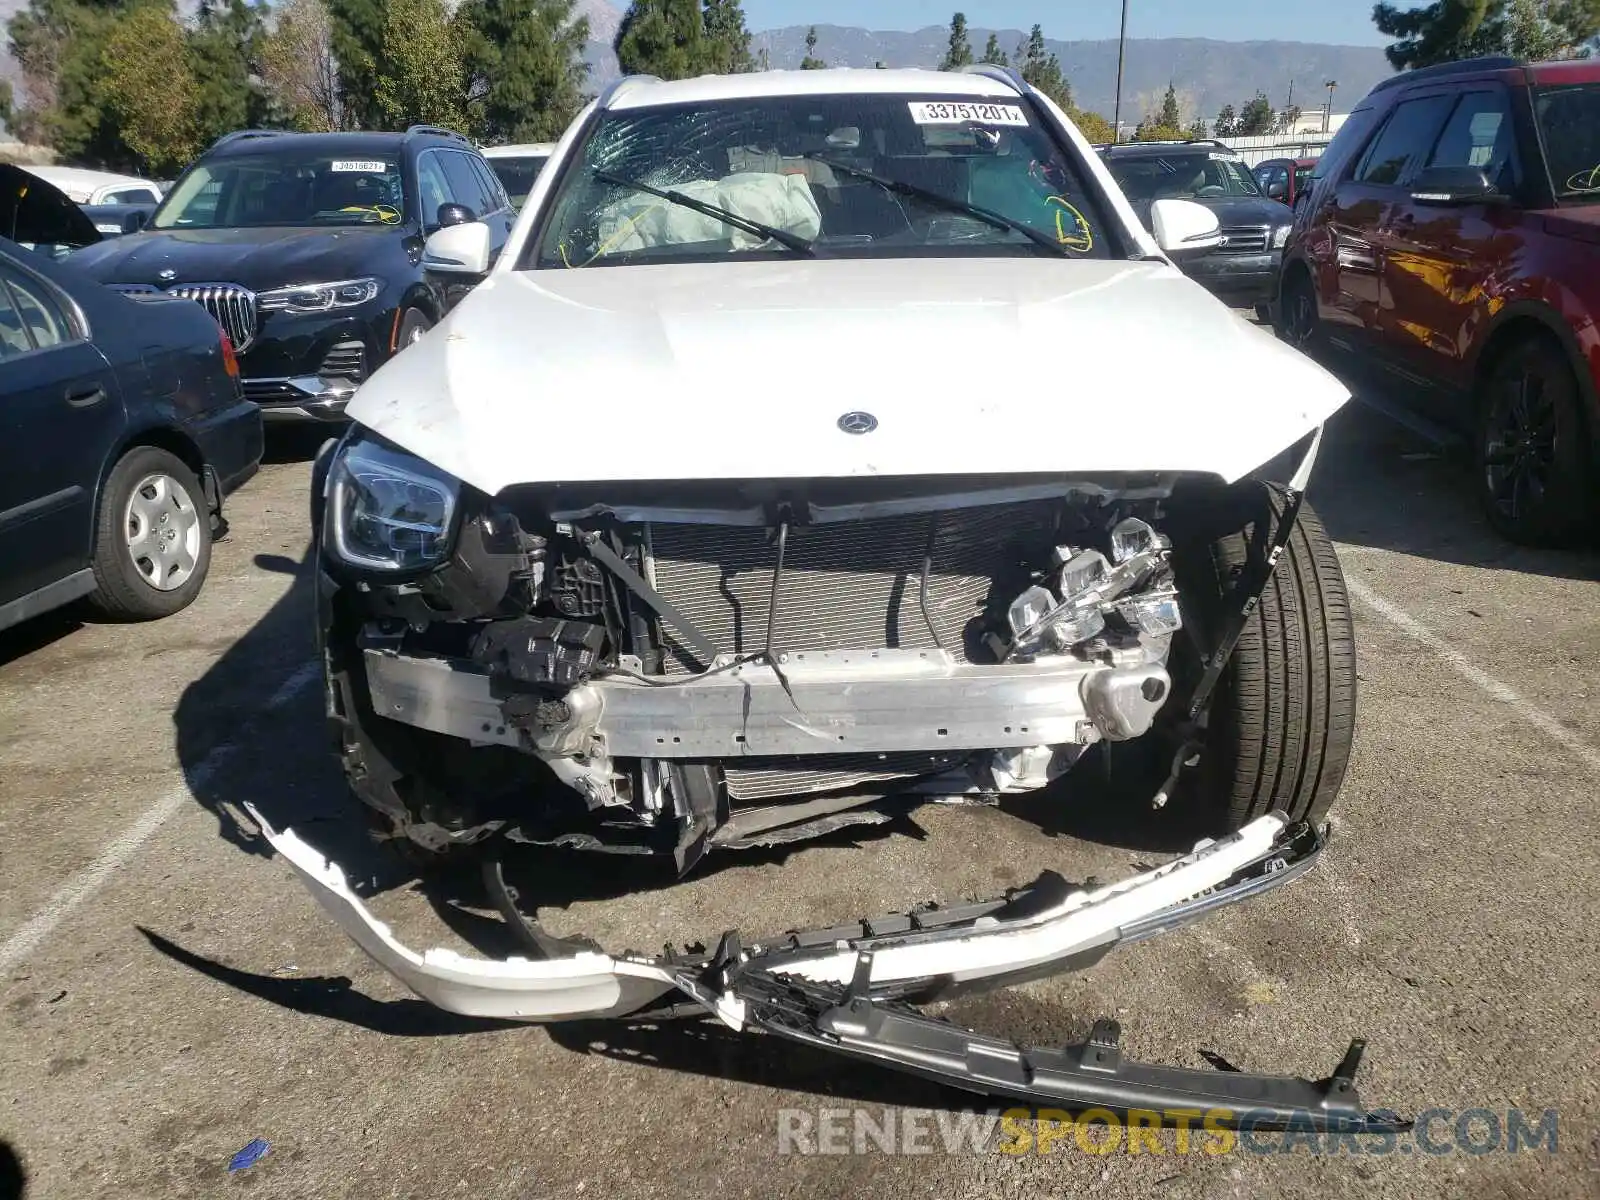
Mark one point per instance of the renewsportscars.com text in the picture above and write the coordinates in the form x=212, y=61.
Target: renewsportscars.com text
x=1176, y=1131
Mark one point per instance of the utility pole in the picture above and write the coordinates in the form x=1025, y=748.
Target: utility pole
x=1327, y=113
x=1122, y=55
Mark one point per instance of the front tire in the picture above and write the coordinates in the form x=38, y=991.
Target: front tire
x=1299, y=323
x=152, y=543
x=1533, y=447
x=1282, y=720
x=413, y=324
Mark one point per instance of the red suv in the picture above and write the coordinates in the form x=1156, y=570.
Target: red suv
x=1452, y=242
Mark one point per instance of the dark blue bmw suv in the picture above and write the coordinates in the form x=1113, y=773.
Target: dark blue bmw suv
x=307, y=249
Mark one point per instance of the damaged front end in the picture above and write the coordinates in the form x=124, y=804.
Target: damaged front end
x=676, y=668
x=686, y=667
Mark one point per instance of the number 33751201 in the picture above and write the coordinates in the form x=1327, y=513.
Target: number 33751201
x=950, y=112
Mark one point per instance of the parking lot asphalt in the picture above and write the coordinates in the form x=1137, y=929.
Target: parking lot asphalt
x=168, y=991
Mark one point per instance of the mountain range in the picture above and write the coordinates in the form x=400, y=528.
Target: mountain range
x=1207, y=74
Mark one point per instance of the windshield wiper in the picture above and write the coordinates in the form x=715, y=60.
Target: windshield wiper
x=782, y=236
x=949, y=203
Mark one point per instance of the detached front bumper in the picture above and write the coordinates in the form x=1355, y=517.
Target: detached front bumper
x=848, y=989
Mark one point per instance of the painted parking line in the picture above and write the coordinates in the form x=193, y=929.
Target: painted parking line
x=121, y=850
x=1486, y=683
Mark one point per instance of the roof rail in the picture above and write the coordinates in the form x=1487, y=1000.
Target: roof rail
x=435, y=131
x=239, y=135
x=1005, y=74
x=1466, y=66
x=603, y=101
x=1207, y=142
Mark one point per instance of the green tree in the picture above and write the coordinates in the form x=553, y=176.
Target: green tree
x=1530, y=34
x=1443, y=31
x=357, y=48
x=149, y=85
x=1197, y=131
x=811, y=62
x=224, y=51
x=1170, y=117
x=1256, y=118
x=1288, y=118
x=727, y=38
x=298, y=67
x=1094, y=127
x=8, y=112
x=420, y=77
x=960, y=52
x=524, y=67
x=992, y=53
x=1043, y=69
x=1151, y=129
x=1227, y=123
x=665, y=38
x=59, y=44
x=524, y=63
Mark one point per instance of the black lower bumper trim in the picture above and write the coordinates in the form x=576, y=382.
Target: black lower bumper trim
x=1090, y=1074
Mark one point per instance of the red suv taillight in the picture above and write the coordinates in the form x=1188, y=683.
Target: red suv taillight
x=230, y=360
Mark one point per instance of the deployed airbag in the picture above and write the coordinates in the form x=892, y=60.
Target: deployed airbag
x=782, y=201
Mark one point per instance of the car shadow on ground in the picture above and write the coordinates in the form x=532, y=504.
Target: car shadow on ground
x=295, y=443
x=1378, y=484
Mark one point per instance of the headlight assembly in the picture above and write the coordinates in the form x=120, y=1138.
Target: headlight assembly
x=1280, y=236
x=319, y=297
x=388, y=510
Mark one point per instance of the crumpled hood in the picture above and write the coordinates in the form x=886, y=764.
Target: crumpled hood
x=998, y=366
x=257, y=258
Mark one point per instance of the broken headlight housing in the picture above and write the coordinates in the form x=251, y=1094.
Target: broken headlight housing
x=1070, y=606
x=388, y=510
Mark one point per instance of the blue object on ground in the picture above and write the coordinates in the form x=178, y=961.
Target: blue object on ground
x=249, y=1156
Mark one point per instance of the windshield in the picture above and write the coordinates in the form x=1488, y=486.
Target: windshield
x=1184, y=176
x=518, y=174
x=1569, y=119
x=839, y=173
x=245, y=190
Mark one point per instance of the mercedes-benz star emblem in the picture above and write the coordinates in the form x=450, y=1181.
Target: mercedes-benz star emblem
x=858, y=422
x=166, y=275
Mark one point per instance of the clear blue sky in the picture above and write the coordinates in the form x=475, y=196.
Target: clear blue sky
x=1340, y=21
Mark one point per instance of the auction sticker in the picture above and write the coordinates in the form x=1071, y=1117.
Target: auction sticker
x=953, y=112
x=364, y=166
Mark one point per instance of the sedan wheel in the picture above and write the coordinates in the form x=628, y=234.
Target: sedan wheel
x=152, y=541
x=163, y=525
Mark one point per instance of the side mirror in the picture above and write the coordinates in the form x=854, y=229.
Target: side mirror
x=135, y=221
x=454, y=214
x=461, y=249
x=1444, y=186
x=1184, y=229
x=1277, y=191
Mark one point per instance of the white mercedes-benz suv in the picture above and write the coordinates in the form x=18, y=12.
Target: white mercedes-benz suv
x=823, y=441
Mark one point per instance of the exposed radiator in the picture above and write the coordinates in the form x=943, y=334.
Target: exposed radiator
x=850, y=585
x=776, y=778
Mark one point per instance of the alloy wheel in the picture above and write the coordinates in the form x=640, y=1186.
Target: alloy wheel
x=1519, y=455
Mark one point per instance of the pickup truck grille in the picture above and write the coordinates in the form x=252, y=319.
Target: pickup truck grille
x=1246, y=239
